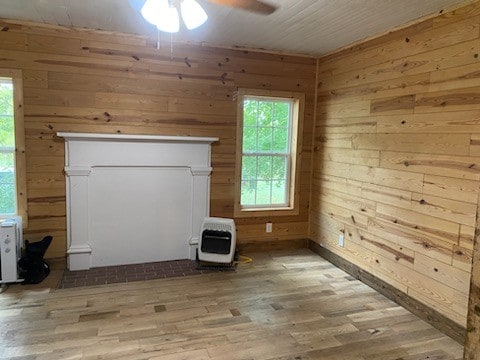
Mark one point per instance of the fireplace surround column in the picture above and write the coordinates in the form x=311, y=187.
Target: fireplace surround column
x=77, y=231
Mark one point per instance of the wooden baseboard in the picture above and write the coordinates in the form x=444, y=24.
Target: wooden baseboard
x=271, y=245
x=432, y=316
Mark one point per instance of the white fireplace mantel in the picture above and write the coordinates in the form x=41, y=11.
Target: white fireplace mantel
x=134, y=198
x=136, y=138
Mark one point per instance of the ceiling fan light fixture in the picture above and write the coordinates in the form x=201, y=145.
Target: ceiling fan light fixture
x=193, y=14
x=161, y=14
x=164, y=14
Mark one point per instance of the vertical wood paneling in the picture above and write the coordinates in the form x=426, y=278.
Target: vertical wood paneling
x=89, y=81
x=398, y=119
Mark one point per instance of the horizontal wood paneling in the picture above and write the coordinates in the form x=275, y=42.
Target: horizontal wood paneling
x=433, y=316
x=90, y=81
x=397, y=158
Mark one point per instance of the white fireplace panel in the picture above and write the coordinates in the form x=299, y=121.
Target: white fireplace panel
x=108, y=153
x=134, y=198
x=139, y=214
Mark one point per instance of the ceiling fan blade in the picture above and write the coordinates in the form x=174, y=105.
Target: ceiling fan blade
x=255, y=6
x=136, y=4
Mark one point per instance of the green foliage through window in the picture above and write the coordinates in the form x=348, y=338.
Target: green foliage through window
x=7, y=149
x=266, y=151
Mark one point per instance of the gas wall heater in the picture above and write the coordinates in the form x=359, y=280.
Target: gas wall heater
x=11, y=242
x=218, y=240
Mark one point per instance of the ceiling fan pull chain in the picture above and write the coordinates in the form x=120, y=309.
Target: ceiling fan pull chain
x=171, y=46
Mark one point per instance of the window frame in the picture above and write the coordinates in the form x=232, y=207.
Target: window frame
x=20, y=160
x=287, y=155
x=293, y=177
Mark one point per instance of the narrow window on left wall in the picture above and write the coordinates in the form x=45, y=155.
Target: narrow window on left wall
x=8, y=192
x=12, y=146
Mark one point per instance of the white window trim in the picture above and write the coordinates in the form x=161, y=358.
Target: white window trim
x=295, y=137
x=287, y=154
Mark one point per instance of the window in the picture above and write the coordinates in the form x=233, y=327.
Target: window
x=8, y=198
x=267, y=155
x=12, y=148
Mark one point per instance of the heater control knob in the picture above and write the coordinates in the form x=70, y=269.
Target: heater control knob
x=7, y=241
x=7, y=250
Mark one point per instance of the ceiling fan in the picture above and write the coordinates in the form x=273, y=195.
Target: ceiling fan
x=164, y=14
x=255, y=6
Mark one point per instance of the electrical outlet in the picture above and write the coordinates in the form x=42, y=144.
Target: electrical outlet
x=341, y=239
x=268, y=227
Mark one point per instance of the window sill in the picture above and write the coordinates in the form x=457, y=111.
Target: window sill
x=265, y=212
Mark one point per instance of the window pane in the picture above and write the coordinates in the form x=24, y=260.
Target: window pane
x=263, y=192
x=7, y=162
x=249, y=167
x=249, y=139
x=7, y=136
x=248, y=192
x=7, y=194
x=264, y=167
x=279, y=168
x=250, y=112
x=280, y=137
x=282, y=113
x=265, y=139
x=7, y=183
x=265, y=113
x=6, y=98
x=279, y=192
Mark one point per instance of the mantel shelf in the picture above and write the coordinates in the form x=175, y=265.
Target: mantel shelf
x=127, y=137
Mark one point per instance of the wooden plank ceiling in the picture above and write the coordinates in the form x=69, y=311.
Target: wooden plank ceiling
x=299, y=26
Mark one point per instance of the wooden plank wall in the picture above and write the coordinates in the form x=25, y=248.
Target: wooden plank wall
x=397, y=157
x=90, y=81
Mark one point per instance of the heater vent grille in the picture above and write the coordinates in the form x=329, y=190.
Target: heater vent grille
x=217, y=242
x=217, y=227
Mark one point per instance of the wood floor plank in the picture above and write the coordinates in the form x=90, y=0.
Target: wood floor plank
x=287, y=305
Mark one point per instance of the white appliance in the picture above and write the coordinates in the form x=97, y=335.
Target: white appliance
x=11, y=242
x=217, y=240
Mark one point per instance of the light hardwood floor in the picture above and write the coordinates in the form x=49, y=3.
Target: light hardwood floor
x=286, y=305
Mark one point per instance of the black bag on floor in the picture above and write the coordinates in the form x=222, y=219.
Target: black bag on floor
x=32, y=266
